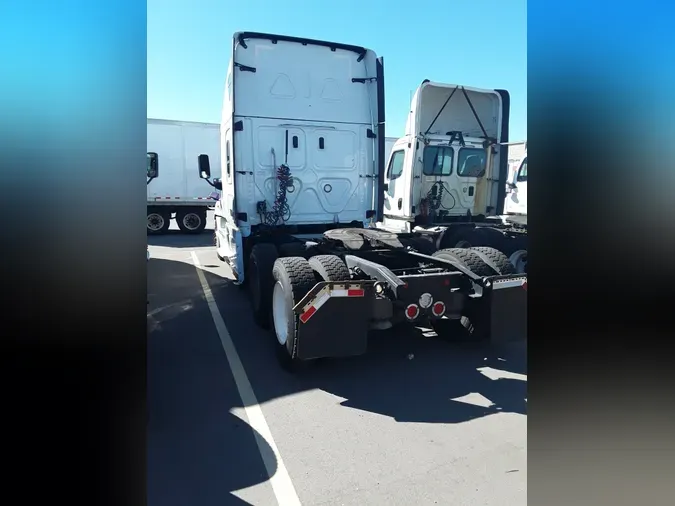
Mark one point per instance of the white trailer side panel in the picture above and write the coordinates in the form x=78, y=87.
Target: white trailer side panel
x=178, y=144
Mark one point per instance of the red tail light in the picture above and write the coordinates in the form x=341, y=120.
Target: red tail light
x=412, y=311
x=438, y=309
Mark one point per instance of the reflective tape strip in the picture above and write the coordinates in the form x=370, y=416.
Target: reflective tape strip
x=323, y=296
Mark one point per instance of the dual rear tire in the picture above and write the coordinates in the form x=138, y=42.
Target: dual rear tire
x=482, y=261
x=277, y=284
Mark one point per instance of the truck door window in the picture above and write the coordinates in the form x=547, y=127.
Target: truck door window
x=522, y=172
x=438, y=160
x=471, y=162
x=396, y=165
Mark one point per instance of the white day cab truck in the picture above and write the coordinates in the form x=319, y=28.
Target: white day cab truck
x=179, y=193
x=446, y=178
x=303, y=151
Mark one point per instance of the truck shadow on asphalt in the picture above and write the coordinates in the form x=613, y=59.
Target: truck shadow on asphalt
x=404, y=375
x=178, y=239
x=199, y=452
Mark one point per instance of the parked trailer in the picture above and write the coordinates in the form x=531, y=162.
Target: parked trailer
x=180, y=193
x=447, y=177
x=304, y=150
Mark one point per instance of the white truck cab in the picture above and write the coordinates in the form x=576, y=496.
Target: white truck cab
x=449, y=163
x=302, y=139
x=516, y=192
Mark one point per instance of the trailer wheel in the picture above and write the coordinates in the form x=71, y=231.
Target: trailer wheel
x=329, y=268
x=159, y=221
x=499, y=259
x=191, y=221
x=293, y=278
x=468, y=258
x=261, y=281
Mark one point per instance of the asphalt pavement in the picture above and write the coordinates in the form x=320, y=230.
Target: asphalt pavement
x=418, y=420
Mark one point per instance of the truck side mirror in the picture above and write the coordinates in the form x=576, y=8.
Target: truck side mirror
x=204, y=166
x=152, y=165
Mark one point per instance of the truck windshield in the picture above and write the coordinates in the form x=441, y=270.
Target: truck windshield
x=471, y=162
x=522, y=172
x=438, y=160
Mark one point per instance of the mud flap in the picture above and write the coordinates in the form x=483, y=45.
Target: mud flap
x=504, y=308
x=333, y=320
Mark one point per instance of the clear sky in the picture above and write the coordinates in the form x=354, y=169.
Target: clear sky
x=480, y=43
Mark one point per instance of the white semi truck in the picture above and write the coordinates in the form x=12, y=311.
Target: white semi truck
x=178, y=192
x=446, y=178
x=303, y=148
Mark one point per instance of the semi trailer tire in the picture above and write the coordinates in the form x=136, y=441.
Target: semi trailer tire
x=191, y=221
x=293, y=278
x=159, y=221
x=329, y=268
x=497, y=258
x=468, y=258
x=261, y=282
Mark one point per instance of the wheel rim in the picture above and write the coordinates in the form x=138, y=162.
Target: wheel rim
x=519, y=261
x=279, y=314
x=155, y=222
x=192, y=221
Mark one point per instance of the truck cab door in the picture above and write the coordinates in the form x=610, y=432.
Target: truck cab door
x=516, y=197
x=397, y=180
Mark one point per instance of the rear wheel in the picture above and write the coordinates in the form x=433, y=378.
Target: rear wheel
x=191, y=221
x=159, y=221
x=497, y=258
x=329, y=268
x=261, y=281
x=463, y=328
x=468, y=258
x=293, y=278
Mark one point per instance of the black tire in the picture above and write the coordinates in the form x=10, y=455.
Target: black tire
x=261, y=282
x=329, y=268
x=159, y=221
x=191, y=221
x=468, y=258
x=497, y=258
x=295, y=278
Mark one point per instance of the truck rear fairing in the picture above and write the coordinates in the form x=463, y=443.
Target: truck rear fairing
x=313, y=107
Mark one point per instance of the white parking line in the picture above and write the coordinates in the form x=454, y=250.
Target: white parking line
x=281, y=481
